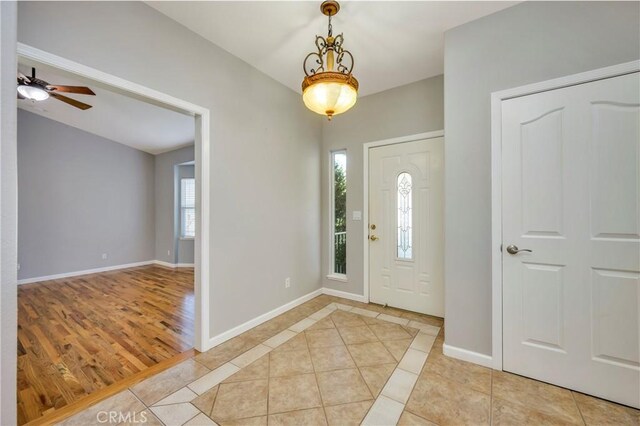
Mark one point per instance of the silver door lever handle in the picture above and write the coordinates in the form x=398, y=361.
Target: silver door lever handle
x=512, y=249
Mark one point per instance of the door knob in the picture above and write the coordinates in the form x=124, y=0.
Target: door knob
x=513, y=249
x=373, y=238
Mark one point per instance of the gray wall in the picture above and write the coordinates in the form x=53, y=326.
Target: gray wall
x=523, y=44
x=166, y=242
x=265, y=159
x=8, y=213
x=185, y=247
x=81, y=195
x=402, y=111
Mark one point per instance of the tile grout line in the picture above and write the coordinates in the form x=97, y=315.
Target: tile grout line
x=397, y=368
x=247, y=350
x=197, y=414
x=573, y=396
x=357, y=366
x=145, y=406
x=491, y=398
x=387, y=381
x=336, y=306
x=412, y=386
x=315, y=376
x=150, y=408
x=269, y=381
x=398, y=363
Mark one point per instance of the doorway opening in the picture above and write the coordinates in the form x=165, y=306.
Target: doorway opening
x=153, y=329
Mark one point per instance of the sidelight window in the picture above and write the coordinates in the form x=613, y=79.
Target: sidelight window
x=339, y=212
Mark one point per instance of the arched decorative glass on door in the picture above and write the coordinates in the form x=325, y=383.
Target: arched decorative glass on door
x=405, y=217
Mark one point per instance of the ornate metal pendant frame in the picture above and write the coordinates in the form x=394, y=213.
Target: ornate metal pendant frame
x=331, y=62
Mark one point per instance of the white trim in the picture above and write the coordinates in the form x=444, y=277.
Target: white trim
x=338, y=277
x=84, y=272
x=173, y=265
x=229, y=334
x=496, y=179
x=344, y=295
x=105, y=269
x=469, y=356
x=28, y=52
x=365, y=173
x=203, y=165
x=164, y=264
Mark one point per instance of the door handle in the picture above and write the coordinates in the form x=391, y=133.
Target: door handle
x=513, y=249
x=373, y=238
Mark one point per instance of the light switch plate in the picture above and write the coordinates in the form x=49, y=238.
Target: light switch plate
x=357, y=215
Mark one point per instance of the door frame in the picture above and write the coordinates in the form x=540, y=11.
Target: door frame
x=365, y=173
x=496, y=179
x=202, y=144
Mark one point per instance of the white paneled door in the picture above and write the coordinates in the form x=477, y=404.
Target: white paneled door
x=571, y=205
x=406, y=226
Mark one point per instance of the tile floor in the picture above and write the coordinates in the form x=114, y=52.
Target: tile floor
x=337, y=362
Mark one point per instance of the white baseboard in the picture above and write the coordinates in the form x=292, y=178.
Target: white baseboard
x=469, y=356
x=173, y=265
x=85, y=272
x=223, y=337
x=344, y=295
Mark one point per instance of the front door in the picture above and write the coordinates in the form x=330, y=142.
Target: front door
x=571, y=205
x=406, y=239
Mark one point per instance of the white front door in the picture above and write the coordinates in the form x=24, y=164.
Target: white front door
x=571, y=195
x=406, y=239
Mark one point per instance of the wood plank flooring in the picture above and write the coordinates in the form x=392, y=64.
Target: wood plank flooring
x=81, y=334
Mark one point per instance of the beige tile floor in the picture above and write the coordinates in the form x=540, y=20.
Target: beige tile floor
x=338, y=362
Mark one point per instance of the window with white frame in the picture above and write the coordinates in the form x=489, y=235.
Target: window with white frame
x=187, y=208
x=339, y=213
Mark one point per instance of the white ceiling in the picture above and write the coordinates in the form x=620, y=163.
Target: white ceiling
x=114, y=116
x=394, y=43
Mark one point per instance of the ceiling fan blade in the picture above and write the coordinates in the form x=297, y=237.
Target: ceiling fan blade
x=70, y=101
x=81, y=90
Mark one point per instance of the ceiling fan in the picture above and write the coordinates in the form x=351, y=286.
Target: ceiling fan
x=38, y=90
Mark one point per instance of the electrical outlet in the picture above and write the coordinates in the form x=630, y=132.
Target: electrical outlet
x=287, y=282
x=18, y=266
x=104, y=256
x=168, y=252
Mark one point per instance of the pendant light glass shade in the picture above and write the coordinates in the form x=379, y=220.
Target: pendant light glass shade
x=330, y=96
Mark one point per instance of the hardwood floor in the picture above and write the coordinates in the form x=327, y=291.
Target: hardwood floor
x=79, y=335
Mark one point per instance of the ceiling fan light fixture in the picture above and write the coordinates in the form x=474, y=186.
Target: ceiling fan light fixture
x=329, y=87
x=33, y=92
x=36, y=89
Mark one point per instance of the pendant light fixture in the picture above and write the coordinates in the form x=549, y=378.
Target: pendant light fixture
x=329, y=88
